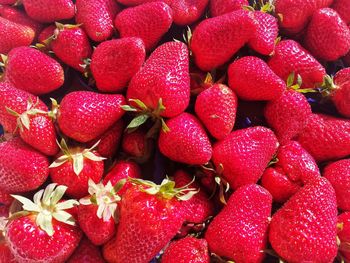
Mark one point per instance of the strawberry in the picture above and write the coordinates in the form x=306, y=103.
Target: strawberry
x=138, y=2
x=338, y=174
x=252, y=79
x=216, y=107
x=96, y=17
x=244, y=154
x=86, y=253
x=342, y=7
x=295, y=14
x=5, y=253
x=8, y=2
x=149, y=219
x=33, y=71
x=327, y=36
x=221, y=7
x=187, y=250
x=114, y=62
x=287, y=115
x=84, y=116
x=46, y=33
x=216, y=40
x=149, y=21
x=14, y=35
x=97, y=212
x=304, y=229
x=290, y=57
x=22, y=168
x=228, y=234
x=344, y=234
x=326, y=137
x=74, y=167
x=5, y=199
x=186, y=142
x=187, y=12
x=165, y=77
x=43, y=231
x=134, y=143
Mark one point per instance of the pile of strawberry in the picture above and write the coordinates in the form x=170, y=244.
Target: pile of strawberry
x=174, y=131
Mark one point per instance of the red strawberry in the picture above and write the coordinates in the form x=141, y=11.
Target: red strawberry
x=8, y=2
x=287, y=115
x=252, y=79
x=295, y=14
x=187, y=250
x=114, y=62
x=14, y=35
x=221, y=7
x=22, y=168
x=344, y=234
x=46, y=33
x=86, y=253
x=84, y=115
x=338, y=174
x=186, y=142
x=149, y=21
x=138, y=2
x=96, y=17
x=290, y=57
x=342, y=7
x=5, y=199
x=149, y=219
x=33, y=71
x=216, y=107
x=326, y=137
x=74, y=167
x=43, y=232
x=165, y=76
x=239, y=231
x=49, y=11
x=134, y=143
x=304, y=229
x=187, y=12
x=244, y=154
x=327, y=36
x=216, y=40
x=5, y=253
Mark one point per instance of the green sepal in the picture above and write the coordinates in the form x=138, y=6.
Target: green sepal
x=138, y=121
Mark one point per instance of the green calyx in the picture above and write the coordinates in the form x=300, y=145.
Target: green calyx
x=77, y=155
x=46, y=207
x=328, y=86
x=295, y=83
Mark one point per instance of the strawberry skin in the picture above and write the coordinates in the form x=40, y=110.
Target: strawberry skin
x=165, y=75
x=290, y=57
x=187, y=250
x=22, y=168
x=221, y=7
x=327, y=36
x=86, y=252
x=5, y=253
x=228, y=235
x=216, y=107
x=216, y=40
x=33, y=71
x=244, y=154
x=304, y=229
x=116, y=61
x=186, y=142
x=342, y=7
x=8, y=2
x=84, y=115
x=134, y=143
x=187, y=12
x=252, y=79
x=341, y=95
x=149, y=21
x=5, y=199
x=46, y=33
x=344, y=234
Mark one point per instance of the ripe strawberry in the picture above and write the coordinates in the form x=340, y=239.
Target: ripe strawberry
x=149, y=21
x=22, y=168
x=149, y=219
x=134, y=143
x=326, y=137
x=287, y=115
x=165, y=76
x=290, y=57
x=33, y=71
x=221, y=7
x=43, y=232
x=216, y=40
x=84, y=116
x=14, y=35
x=344, y=234
x=295, y=14
x=342, y=7
x=96, y=17
x=74, y=167
x=304, y=229
x=327, y=36
x=228, y=234
x=252, y=79
x=5, y=253
x=244, y=154
x=86, y=253
x=114, y=62
x=8, y=2
x=338, y=174
x=187, y=250
x=216, y=107
x=186, y=142
x=47, y=12
x=138, y=2
x=46, y=33
x=5, y=199
x=187, y=12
